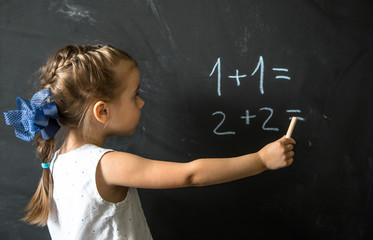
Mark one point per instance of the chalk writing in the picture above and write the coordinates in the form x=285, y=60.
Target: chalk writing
x=281, y=73
x=258, y=69
x=266, y=121
x=281, y=70
x=249, y=118
x=217, y=65
x=221, y=123
x=261, y=66
x=295, y=111
x=237, y=77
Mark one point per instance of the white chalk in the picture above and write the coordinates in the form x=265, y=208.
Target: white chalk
x=291, y=127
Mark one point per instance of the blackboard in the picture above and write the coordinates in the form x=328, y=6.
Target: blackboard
x=220, y=78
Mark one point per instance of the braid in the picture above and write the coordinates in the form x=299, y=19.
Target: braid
x=57, y=62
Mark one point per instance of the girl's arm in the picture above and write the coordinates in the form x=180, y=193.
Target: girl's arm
x=124, y=169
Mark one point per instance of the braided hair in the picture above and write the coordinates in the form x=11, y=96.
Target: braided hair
x=76, y=75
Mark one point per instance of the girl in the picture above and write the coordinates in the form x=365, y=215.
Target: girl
x=86, y=191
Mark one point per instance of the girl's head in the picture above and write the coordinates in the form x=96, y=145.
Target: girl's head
x=79, y=76
x=91, y=85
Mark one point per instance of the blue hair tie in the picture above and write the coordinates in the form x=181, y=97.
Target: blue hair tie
x=40, y=114
x=45, y=165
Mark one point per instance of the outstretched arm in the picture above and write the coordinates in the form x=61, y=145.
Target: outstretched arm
x=124, y=169
x=273, y=156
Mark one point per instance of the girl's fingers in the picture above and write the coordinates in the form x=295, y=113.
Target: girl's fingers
x=290, y=155
x=286, y=140
x=289, y=162
x=289, y=147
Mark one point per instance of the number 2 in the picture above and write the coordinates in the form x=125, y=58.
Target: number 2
x=266, y=121
x=221, y=123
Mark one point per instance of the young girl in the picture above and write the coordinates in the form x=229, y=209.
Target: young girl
x=86, y=191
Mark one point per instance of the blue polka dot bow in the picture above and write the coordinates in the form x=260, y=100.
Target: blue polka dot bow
x=40, y=114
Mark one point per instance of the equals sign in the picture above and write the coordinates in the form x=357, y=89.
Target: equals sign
x=295, y=111
x=281, y=70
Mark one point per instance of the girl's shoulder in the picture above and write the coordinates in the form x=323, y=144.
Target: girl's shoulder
x=85, y=149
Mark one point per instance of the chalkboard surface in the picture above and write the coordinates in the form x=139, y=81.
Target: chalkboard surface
x=220, y=78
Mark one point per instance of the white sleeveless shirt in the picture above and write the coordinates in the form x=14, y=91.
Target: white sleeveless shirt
x=78, y=210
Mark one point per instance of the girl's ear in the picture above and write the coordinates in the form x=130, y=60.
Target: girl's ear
x=101, y=112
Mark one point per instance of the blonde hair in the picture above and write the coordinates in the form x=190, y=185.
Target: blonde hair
x=76, y=75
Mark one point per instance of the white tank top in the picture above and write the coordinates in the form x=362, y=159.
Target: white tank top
x=78, y=210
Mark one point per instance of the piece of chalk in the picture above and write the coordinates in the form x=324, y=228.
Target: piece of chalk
x=291, y=127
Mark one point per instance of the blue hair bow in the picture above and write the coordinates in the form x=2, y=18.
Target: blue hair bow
x=40, y=114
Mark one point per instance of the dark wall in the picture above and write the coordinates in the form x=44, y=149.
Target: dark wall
x=311, y=59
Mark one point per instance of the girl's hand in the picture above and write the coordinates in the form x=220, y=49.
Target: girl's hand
x=277, y=154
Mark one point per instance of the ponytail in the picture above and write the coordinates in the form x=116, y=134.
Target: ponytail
x=37, y=211
x=38, y=115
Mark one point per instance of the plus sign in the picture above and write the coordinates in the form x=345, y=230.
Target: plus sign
x=237, y=77
x=247, y=117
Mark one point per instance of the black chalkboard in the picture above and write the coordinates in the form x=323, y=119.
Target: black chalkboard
x=220, y=78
